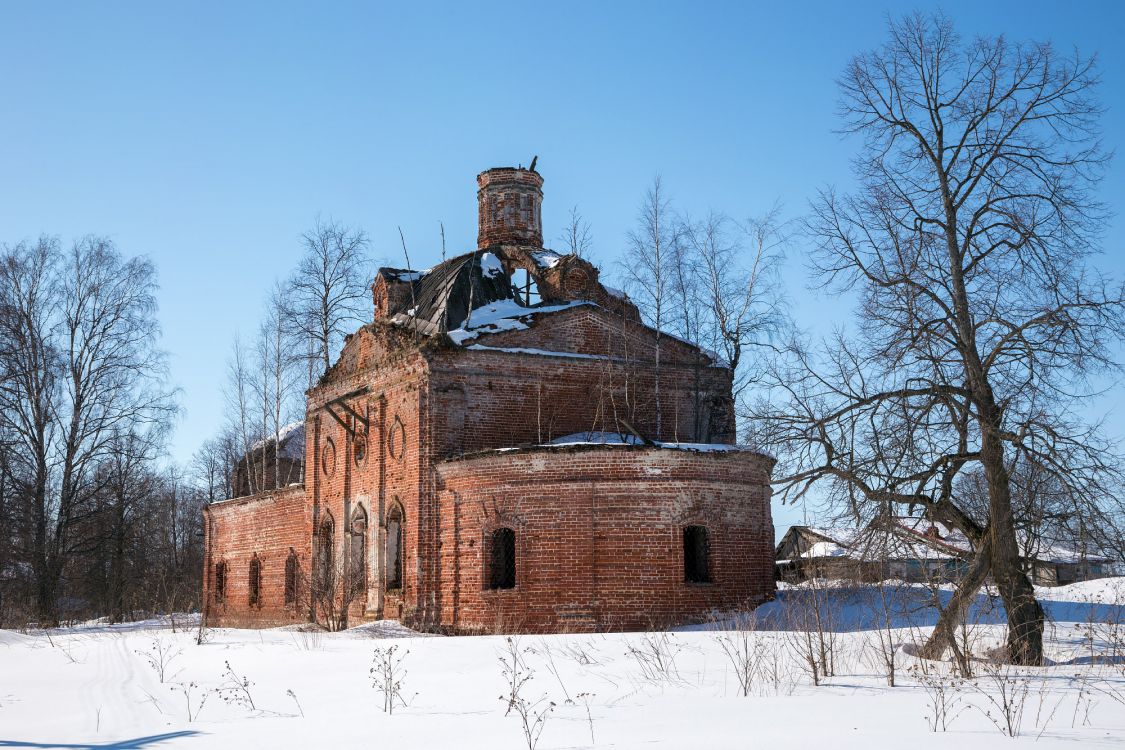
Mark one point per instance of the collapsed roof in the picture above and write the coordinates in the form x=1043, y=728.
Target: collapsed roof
x=439, y=299
x=477, y=288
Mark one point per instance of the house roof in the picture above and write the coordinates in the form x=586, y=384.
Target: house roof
x=292, y=439
x=911, y=538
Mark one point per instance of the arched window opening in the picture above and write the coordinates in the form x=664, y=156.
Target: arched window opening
x=255, y=583
x=324, y=556
x=697, y=551
x=394, y=547
x=527, y=292
x=291, y=568
x=357, y=558
x=220, y=582
x=502, y=573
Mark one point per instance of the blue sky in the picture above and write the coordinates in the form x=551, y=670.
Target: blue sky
x=209, y=136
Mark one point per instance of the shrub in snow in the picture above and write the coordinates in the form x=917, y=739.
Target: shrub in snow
x=160, y=656
x=743, y=648
x=387, y=676
x=235, y=689
x=187, y=689
x=517, y=674
x=655, y=653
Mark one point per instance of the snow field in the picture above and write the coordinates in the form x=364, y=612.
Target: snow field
x=100, y=686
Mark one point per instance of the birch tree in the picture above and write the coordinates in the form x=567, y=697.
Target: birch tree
x=646, y=269
x=328, y=294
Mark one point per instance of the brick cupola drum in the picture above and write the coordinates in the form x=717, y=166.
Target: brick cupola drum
x=497, y=451
x=510, y=208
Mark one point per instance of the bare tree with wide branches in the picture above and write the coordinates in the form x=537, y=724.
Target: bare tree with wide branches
x=967, y=242
x=81, y=366
x=329, y=292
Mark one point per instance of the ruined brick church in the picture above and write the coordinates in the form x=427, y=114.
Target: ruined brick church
x=497, y=450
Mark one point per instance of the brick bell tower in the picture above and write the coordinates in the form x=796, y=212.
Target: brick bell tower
x=509, y=204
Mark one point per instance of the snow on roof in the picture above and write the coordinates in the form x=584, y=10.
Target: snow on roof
x=490, y=265
x=292, y=438
x=826, y=549
x=914, y=538
x=617, y=438
x=542, y=352
x=402, y=274
x=546, y=258
x=503, y=315
x=839, y=534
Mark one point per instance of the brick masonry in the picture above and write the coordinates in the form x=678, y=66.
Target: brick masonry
x=445, y=437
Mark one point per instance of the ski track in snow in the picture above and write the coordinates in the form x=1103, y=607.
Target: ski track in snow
x=110, y=695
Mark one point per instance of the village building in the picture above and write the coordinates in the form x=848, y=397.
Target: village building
x=506, y=446
x=916, y=550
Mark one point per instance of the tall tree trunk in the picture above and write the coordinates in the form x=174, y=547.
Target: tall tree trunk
x=1025, y=615
x=954, y=613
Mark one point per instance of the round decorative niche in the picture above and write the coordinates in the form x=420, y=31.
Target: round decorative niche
x=576, y=281
x=396, y=440
x=328, y=458
x=359, y=449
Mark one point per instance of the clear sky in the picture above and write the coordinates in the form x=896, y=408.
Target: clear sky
x=210, y=135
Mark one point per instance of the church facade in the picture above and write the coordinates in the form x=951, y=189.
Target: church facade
x=499, y=451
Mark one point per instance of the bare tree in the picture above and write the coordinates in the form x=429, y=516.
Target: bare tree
x=211, y=470
x=646, y=268
x=575, y=236
x=328, y=292
x=738, y=285
x=980, y=319
x=127, y=487
x=29, y=391
x=83, y=367
x=240, y=417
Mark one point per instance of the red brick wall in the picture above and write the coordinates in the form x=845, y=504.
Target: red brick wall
x=395, y=387
x=518, y=398
x=267, y=525
x=600, y=545
x=599, y=536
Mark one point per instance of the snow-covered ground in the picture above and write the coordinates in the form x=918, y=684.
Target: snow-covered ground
x=99, y=686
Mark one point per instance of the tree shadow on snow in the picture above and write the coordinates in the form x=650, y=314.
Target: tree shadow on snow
x=866, y=607
x=137, y=743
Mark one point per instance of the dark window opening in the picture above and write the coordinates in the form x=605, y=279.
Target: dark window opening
x=697, y=549
x=394, y=548
x=503, y=562
x=324, y=572
x=527, y=292
x=357, y=558
x=220, y=582
x=291, y=565
x=255, y=584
